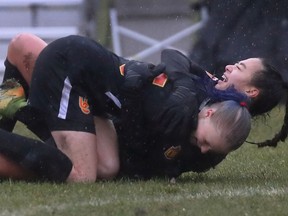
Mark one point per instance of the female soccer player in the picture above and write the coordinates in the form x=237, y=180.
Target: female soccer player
x=75, y=80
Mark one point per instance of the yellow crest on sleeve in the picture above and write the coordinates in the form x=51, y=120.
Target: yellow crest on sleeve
x=172, y=152
x=84, y=106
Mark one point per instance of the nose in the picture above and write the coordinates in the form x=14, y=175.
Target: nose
x=229, y=68
x=204, y=149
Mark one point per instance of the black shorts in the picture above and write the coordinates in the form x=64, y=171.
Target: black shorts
x=71, y=81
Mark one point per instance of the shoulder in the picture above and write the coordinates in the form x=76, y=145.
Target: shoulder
x=176, y=61
x=191, y=159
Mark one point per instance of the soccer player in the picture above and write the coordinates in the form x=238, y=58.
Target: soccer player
x=72, y=70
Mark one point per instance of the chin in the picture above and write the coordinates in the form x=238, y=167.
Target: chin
x=220, y=87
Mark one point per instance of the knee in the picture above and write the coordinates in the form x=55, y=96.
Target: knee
x=108, y=170
x=12, y=49
x=18, y=40
x=78, y=176
x=15, y=46
x=15, y=40
x=23, y=44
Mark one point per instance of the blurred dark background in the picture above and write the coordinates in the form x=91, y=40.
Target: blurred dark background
x=235, y=29
x=238, y=30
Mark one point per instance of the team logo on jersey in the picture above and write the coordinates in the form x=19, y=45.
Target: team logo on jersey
x=160, y=80
x=121, y=69
x=84, y=106
x=172, y=152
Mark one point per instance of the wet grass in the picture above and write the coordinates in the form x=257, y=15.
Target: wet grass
x=251, y=181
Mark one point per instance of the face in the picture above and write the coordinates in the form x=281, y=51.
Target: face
x=240, y=75
x=207, y=136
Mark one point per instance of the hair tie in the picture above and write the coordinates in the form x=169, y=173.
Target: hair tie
x=243, y=104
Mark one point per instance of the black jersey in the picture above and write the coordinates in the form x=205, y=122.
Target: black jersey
x=82, y=62
x=177, y=61
x=74, y=79
x=144, y=151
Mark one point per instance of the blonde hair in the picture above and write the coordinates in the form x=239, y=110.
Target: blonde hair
x=234, y=121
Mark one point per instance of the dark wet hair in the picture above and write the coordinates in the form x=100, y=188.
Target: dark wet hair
x=273, y=89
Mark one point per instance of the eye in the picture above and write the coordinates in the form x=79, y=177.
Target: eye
x=238, y=66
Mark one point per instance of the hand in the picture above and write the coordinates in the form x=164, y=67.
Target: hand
x=138, y=73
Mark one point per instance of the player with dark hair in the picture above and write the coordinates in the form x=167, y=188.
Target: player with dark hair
x=255, y=77
x=174, y=113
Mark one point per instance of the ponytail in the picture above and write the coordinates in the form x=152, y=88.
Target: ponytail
x=271, y=90
x=283, y=133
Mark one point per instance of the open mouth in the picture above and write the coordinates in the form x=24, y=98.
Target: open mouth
x=224, y=78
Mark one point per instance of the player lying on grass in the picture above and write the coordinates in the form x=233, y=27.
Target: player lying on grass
x=252, y=76
x=171, y=116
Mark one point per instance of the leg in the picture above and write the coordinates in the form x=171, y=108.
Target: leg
x=23, y=51
x=47, y=162
x=107, y=148
x=81, y=148
x=58, y=76
x=10, y=169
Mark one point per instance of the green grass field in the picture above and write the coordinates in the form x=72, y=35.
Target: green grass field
x=250, y=181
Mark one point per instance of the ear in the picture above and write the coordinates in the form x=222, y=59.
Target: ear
x=207, y=112
x=252, y=92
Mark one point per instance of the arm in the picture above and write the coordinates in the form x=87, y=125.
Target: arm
x=193, y=160
x=189, y=159
x=177, y=61
x=179, y=111
x=171, y=120
x=137, y=75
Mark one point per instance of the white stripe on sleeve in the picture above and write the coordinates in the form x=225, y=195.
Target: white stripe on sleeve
x=65, y=99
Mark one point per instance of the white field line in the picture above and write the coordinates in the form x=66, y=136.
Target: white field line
x=96, y=202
